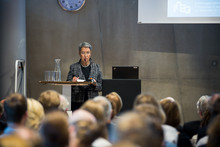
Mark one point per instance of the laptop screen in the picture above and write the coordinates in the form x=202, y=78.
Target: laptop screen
x=125, y=72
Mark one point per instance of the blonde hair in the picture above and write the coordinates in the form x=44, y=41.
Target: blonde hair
x=86, y=132
x=116, y=102
x=95, y=108
x=35, y=114
x=50, y=99
x=13, y=140
x=140, y=130
x=150, y=110
x=149, y=99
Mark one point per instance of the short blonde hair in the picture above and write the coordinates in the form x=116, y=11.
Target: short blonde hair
x=95, y=108
x=50, y=99
x=150, y=110
x=149, y=99
x=35, y=114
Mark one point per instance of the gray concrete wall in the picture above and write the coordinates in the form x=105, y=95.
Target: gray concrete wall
x=174, y=60
x=12, y=42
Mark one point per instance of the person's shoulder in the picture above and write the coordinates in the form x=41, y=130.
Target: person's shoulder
x=75, y=64
x=94, y=64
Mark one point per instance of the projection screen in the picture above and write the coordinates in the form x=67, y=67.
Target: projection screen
x=179, y=11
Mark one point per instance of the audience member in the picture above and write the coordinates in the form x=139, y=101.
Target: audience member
x=64, y=103
x=149, y=99
x=149, y=110
x=214, y=111
x=116, y=103
x=35, y=114
x=13, y=140
x=50, y=100
x=143, y=131
x=15, y=107
x=54, y=129
x=111, y=129
x=106, y=105
x=214, y=133
x=208, y=116
x=81, y=114
x=30, y=136
x=83, y=129
x=173, y=115
x=3, y=123
x=96, y=109
x=126, y=143
x=191, y=128
x=83, y=133
x=152, y=111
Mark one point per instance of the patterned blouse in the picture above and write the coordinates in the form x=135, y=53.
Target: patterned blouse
x=79, y=93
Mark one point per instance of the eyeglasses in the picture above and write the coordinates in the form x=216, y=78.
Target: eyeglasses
x=85, y=53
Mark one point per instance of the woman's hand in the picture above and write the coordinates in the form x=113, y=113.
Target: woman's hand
x=75, y=79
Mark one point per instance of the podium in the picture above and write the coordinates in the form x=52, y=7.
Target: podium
x=128, y=89
x=67, y=87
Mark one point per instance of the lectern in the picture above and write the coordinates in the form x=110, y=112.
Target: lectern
x=66, y=87
x=128, y=89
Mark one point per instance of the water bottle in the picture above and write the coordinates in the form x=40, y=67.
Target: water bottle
x=57, y=70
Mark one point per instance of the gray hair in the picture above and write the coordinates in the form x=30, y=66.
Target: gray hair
x=202, y=104
x=106, y=104
x=85, y=44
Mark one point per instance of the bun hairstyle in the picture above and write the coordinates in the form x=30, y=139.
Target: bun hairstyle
x=84, y=44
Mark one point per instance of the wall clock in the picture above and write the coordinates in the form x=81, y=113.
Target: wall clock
x=71, y=5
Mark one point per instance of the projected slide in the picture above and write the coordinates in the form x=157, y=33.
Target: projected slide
x=193, y=8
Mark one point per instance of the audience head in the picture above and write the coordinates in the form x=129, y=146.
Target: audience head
x=214, y=133
x=213, y=98
x=54, y=129
x=145, y=99
x=1, y=109
x=107, y=106
x=149, y=99
x=63, y=103
x=13, y=141
x=116, y=103
x=30, y=136
x=15, y=107
x=50, y=100
x=150, y=110
x=81, y=114
x=202, y=105
x=96, y=109
x=172, y=111
x=125, y=143
x=83, y=133
x=35, y=114
x=215, y=109
x=143, y=131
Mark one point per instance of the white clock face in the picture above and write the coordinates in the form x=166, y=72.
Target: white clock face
x=71, y=5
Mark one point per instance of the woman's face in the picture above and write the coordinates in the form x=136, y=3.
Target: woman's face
x=85, y=54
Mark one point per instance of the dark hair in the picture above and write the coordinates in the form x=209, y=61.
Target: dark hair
x=15, y=107
x=85, y=44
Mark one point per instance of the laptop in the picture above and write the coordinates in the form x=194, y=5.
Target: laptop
x=125, y=72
